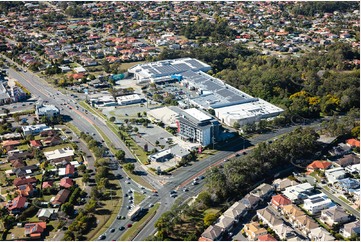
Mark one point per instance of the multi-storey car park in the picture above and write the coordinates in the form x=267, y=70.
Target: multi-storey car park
x=230, y=104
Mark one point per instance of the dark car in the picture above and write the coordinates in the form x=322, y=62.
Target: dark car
x=112, y=230
x=121, y=228
x=129, y=225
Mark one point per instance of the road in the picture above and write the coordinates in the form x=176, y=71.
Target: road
x=182, y=177
x=353, y=211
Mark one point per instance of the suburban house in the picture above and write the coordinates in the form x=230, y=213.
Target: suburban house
x=51, y=141
x=236, y=211
x=250, y=201
x=225, y=223
x=292, y=211
x=318, y=165
x=16, y=205
x=263, y=191
x=316, y=203
x=26, y=190
x=266, y=237
x=333, y=175
x=25, y=170
x=269, y=217
x=17, y=154
x=349, y=184
x=61, y=197
x=48, y=133
x=305, y=224
x=47, y=184
x=34, y=129
x=18, y=163
x=350, y=159
x=35, y=230
x=353, y=143
x=254, y=231
x=340, y=149
x=334, y=215
x=320, y=234
x=279, y=201
x=282, y=184
x=22, y=181
x=36, y=143
x=298, y=192
x=66, y=182
x=350, y=229
x=46, y=214
x=284, y=231
x=212, y=233
x=59, y=155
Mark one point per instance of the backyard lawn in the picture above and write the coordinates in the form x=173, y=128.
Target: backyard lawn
x=47, y=149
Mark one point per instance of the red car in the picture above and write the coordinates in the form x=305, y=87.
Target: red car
x=129, y=225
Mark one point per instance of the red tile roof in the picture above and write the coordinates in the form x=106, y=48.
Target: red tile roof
x=266, y=237
x=35, y=143
x=353, y=142
x=66, y=182
x=318, y=164
x=280, y=200
x=47, y=184
x=69, y=169
x=10, y=142
x=17, y=203
x=35, y=229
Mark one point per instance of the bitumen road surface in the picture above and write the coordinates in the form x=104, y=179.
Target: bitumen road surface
x=182, y=177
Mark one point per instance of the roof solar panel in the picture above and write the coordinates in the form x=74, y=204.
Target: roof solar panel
x=211, y=86
x=195, y=64
x=181, y=67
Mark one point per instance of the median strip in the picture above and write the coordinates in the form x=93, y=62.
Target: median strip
x=138, y=226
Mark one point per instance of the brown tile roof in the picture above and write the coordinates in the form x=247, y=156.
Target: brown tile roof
x=61, y=197
x=17, y=203
x=22, y=181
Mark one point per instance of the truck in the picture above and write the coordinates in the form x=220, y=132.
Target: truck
x=134, y=212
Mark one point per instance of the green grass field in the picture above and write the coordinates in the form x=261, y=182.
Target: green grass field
x=138, y=197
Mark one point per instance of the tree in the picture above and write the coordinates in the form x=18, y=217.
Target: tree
x=85, y=178
x=209, y=219
x=205, y=199
x=68, y=208
x=236, y=125
x=112, y=119
x=120, y=155
x=129, y=167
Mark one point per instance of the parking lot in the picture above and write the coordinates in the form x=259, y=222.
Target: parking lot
x=127, y=112
x=17, y=107
x=150, y=135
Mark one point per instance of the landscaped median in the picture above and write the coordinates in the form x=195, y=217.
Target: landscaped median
x=132, y=232
x=106, y=220
x=73, y=128
x=115, y=130
x=137, y=151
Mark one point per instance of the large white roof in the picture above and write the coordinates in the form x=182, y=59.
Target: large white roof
x=199, y=115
